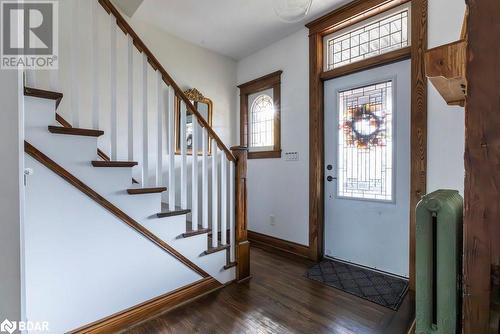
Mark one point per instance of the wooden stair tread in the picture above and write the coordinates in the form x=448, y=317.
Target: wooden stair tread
x=114, y=163
x=219, y=248
x=75, y=131
x=189, y=230
x=45, y=94
x=139, y=191
x=166, y=212
x=228, y=231
x=230, y=265
x=105, y=157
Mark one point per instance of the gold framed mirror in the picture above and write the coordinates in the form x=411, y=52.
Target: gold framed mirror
x=205, y=107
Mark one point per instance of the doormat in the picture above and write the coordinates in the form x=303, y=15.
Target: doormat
x=385, y=290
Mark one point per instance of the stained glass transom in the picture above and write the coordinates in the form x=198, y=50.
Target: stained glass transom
x=365, y=143
x=262, y=121
x=387, y=34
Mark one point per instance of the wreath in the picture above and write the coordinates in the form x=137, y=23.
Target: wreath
x=363, y=127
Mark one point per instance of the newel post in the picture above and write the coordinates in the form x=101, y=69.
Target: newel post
x=241, y=219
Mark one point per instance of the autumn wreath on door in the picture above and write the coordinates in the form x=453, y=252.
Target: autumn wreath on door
x=363, y=127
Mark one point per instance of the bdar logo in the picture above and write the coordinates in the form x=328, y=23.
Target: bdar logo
x=8, y=326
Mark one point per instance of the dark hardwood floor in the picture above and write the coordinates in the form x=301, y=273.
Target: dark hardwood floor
x=279, y=299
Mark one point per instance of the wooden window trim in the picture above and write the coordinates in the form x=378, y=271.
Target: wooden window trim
x=269, y=81
x=338, y=19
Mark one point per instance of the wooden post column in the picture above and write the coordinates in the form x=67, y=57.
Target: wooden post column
x=482, y=164
x=241, y=228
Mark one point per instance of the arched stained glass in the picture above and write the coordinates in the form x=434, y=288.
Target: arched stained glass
x=262, y=121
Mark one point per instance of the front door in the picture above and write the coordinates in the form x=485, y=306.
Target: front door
x=367, y=168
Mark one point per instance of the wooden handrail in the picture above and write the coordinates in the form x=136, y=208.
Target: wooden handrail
x=139, y=44
x=70, y=178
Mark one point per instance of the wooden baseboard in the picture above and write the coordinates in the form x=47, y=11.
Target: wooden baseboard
x=280, y=246
x=151, y=308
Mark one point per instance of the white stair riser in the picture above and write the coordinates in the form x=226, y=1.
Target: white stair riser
x=75, y=153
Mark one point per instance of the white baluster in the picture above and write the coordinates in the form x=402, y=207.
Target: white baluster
x=130, y=87
x=215, y=204
x=95, y=65
x=182, y=139
x=171, y=149
x=114, y=112
x=75, y=66
x=223, y=199
x=145, y=143
x=194, y=182
x=159, y=160
x=232, y=232
x=204, y=178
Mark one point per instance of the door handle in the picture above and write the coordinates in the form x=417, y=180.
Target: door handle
x=330, y=178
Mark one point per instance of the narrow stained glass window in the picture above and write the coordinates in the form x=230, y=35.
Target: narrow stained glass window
x=387, y=33
x=365, y=143
x=262, y=122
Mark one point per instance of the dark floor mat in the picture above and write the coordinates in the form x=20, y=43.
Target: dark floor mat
x=385, y=290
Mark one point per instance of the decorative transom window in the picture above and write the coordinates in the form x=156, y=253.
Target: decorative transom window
x=261, y=123
x=365, y=143
x=381, y=34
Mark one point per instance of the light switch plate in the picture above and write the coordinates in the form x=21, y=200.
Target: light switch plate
x=291, y=156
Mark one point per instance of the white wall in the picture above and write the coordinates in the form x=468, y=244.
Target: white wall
x=11, y=193
x=280, y=188
x=192, y=66
x=275, y=186
x=446, y=127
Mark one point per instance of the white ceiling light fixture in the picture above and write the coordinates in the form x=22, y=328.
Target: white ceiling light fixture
x=291, y=10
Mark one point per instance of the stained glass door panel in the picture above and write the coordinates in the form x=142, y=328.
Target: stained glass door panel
x=365, y=142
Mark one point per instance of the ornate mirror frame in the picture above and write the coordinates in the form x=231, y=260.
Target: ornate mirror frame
x=197, y=98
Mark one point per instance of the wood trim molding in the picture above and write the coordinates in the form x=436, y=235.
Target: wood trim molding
x=418, y=134
x=151, y=308
x=349, y=14
x=71, y=179
x=482, y=172
x=269, y=81
x=275, y=244
x=262, y=83
x=316, y=148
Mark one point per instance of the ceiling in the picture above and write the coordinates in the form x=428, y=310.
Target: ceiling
x=235, y=28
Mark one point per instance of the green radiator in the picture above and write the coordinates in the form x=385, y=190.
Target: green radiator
x=438, y=262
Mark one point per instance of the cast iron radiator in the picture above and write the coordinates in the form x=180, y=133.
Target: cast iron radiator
x=438, y=262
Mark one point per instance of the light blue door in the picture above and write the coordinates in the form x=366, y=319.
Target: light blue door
x=367, y=161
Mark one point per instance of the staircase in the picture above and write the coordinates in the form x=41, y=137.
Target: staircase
x=195, y=216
